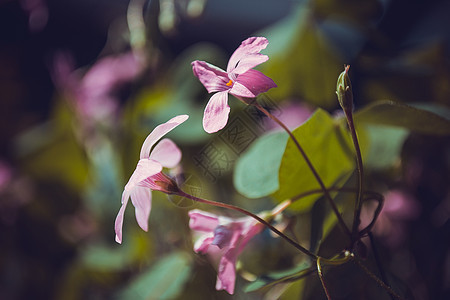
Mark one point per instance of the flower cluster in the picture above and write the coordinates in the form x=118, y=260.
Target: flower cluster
x=217, y=233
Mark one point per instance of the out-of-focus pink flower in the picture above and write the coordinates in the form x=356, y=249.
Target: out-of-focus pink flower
x=15, y=191
x=225, y=234
x=93, y=93
x=292, y=114
x=399, y=207
x=37, y=13
x=239, y=80
x=5, y=175
x=148, y=175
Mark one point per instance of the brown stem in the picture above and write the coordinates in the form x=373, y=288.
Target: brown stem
x=379, y=281
x=322, y=280
x=377, y=212
x=256, y=217
x=310, y=165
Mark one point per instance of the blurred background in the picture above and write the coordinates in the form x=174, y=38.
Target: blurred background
x=82, y=83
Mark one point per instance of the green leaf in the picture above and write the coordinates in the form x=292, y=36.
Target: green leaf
x=317, y=220
x=256, y=172
x=277, y=277
x=164, y=280
x=329, y=149
x=296, y=46
x=293, y=291
x=52, y=151
x=385, y=144
x=401, y=115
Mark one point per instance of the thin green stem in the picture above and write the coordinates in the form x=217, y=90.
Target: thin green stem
x=359, y=167
x=310, y=165
x=254, y=216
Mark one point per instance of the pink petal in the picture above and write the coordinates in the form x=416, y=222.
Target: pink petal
x=244, y=55
x=216, y=112
x=202, y=244
x=109, y=72
x=144, y=169
x=141, y=198
x=119, y=219
x=251, y=61
x=213, y=78
x=251, y=84
x=226, y=274
x=248, y=234
x=166, y=153
x=202, y=221
x=159, y=132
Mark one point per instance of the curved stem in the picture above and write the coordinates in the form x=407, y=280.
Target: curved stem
x=359, y=167
x=256, y=217
x=310, y=165
x=368, y=228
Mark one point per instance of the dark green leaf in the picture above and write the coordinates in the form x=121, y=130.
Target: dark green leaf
x=317, y=219
x=402, y=115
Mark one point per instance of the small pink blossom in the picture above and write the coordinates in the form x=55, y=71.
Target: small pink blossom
x=225, y=234
x=148, y=176
x=240, y=80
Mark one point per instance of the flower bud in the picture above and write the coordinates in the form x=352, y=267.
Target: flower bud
x=344, y=91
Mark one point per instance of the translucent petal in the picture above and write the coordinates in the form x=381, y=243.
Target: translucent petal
x=166, y=153
x=216, y=112
x=144, y=169
x=118, y=224
x=159, y=132
x=243, y=54
x=141, y=197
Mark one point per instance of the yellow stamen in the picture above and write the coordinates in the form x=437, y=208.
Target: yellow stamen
x=230, y=83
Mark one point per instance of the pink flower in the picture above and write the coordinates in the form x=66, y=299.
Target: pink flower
x=94, y=93
x=148, y=175
x=239, y=80
x=229, y=235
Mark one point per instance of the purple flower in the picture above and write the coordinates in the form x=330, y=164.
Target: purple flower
x=148, y=175
x=239, y=80
x=225, y=234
